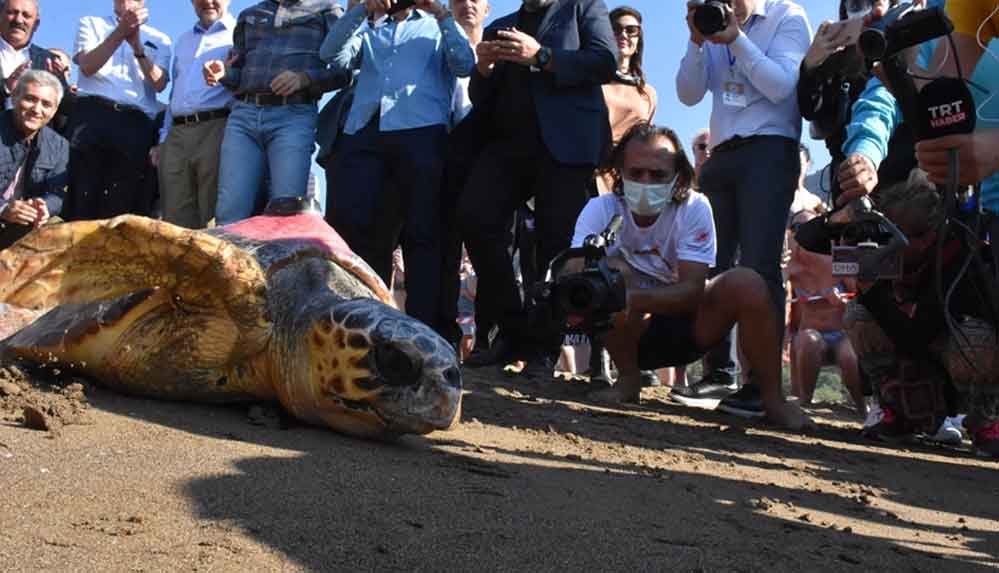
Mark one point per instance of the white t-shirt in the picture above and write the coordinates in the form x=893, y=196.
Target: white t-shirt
x=121, y=78
x=684, y=232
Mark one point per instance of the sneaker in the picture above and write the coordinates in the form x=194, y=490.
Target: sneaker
x=745, y=403
x=650, y=379
x=874, y=416
x=949, y=433
x=986, y=440
x=707, y=391
x=890, y=428
x=540, y=369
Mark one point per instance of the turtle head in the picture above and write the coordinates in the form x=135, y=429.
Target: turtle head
x=375, y=372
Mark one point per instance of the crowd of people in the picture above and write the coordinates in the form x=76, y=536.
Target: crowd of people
x=483, y=152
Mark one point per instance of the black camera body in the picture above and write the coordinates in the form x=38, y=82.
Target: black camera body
x=585, y=302
x=712, y=16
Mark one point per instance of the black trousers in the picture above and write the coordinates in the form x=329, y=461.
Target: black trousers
x=506, y=174
x=387, y=183
x=751, y=188
x=110, y=173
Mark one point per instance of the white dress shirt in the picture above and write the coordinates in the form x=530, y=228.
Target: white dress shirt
x=11, y=59
x=190, y=92
x=762, y=63
x=121, y=79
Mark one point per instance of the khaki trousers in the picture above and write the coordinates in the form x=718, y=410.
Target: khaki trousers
x=189, y=172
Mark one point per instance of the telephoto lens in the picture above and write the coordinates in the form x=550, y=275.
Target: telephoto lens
x=711, y=17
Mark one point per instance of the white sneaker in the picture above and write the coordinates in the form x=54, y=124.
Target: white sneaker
x=874, y=415
x=949, y=432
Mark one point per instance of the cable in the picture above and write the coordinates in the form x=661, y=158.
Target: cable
x=981, y=44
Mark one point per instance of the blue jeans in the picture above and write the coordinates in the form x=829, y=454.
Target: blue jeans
x=283, y=137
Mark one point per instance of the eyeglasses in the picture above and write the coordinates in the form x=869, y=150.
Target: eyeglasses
x=631, y=30
x=701, y=146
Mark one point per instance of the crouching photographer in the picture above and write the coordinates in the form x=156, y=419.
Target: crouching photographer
x=665, y=245
x=927, y=338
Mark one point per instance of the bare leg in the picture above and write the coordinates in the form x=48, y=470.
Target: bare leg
x=622, y=343
x=741, y=297
x=809, y=351
x=850, y=371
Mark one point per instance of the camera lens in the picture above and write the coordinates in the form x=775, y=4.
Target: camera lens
x=711, y=17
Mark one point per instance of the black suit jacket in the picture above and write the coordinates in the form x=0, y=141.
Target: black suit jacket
x=568, y=101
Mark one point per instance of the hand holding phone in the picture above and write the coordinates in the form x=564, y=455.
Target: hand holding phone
x=399, y=6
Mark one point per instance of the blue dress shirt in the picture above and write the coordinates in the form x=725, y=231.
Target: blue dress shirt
x=190, y=92
x=407, y=68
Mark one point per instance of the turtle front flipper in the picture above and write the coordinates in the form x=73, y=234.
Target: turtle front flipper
x=91, y=261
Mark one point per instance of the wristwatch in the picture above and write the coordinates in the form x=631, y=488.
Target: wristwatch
x=544, y=57
x=140, y=56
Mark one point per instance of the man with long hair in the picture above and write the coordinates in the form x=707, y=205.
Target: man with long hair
x=664, y=250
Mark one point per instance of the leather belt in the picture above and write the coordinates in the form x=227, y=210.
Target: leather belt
x=109, y=103
x=200, y=116
x=272, y=100
x=734, y=143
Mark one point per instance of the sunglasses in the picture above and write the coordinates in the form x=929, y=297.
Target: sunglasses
x=701, y=146
x=631, y=30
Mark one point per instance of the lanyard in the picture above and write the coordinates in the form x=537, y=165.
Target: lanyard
x=749, y=27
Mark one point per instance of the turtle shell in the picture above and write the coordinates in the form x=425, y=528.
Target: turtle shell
x=304, y=233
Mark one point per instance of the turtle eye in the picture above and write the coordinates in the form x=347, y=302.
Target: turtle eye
x=396, y=367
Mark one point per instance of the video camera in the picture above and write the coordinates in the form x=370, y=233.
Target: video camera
x=871, y=246
x=875, y=243
x=712, y=16
x=585, y=301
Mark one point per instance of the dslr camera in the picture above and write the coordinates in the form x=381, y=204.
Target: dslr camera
x=584, y=302
x=712, y=16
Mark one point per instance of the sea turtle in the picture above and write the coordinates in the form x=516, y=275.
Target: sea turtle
x=273, y=307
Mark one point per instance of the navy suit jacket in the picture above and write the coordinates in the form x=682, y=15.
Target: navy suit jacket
x=568, y=101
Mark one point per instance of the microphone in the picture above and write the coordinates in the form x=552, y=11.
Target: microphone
x=946, y=107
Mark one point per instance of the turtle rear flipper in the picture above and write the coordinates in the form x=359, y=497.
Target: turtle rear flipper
x=90, y=261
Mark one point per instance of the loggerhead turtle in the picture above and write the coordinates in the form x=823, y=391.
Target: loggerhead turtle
x=273, y=307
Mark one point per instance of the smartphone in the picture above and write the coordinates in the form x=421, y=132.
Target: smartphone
x=400, y=5
x=492, y=34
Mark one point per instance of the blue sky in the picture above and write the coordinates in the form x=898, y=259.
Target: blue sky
x=665, y=35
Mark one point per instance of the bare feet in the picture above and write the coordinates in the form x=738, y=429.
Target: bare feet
x=790, y=416
x=627, y=390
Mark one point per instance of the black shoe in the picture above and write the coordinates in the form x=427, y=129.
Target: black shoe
x=745, y=403
x=600, y=367
x=539, y=369
x=706, y=391
x=498, y=353
x=650, y=379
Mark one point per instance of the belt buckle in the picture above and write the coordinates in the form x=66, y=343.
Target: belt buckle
x=197, y=117
x=256, y=100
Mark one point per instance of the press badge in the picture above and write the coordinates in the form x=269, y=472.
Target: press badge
x=734, y=94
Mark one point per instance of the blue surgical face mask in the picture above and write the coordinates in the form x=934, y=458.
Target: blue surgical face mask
x=647, y=199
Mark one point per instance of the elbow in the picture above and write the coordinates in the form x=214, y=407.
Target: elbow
x=87, y=70
x=608, y=66
x=780, y=92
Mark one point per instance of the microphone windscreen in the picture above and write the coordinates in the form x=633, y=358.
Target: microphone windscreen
x=946, y=108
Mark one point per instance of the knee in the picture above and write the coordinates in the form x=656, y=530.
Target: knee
x=807, y=341
x=746, y=285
